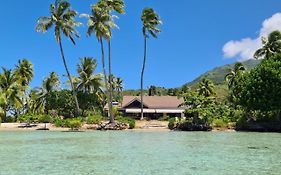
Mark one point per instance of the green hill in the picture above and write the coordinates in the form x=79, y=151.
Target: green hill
x=217, y=74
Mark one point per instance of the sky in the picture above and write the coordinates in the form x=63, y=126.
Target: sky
x=197, y=35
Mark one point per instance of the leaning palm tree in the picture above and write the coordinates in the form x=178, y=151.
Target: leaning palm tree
x=271, y=45
x=87, y=80
x=236, y=72
x=206, y=88
x=150, y=20
x=62, y=18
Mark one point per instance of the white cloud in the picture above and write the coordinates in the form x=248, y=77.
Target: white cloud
x=245, y=48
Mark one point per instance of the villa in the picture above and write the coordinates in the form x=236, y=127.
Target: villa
x=154, y=107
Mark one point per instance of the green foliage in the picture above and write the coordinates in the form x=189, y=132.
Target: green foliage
x=130, y=121
x=62, y=102
x=95, y=119
x=45, y=119
x=74, y=123
x=261, y=88
x=59, y=122
x=172, y=123
x=219, y=123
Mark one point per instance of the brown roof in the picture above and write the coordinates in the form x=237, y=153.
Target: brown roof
x=160, y=102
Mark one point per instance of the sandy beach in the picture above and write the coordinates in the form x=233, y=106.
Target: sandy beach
x=152, y=125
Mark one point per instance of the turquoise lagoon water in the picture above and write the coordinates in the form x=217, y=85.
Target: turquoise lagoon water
x=140, y=153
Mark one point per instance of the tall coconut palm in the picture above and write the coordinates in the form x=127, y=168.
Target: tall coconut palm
x=100, y=23
x=62, y=18
x=271, y=45
x=151, y=21
x=117, y=6
x=232, y=76
x=206, y=88
x=87, y=80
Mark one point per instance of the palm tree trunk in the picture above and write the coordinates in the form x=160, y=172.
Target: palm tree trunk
x=70, y=79
x=105, y=77
x=142, y=75
x=110, y=83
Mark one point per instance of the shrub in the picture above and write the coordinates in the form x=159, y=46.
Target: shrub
x=74, y=124
x=220, y=123
x=95, y=119
x=59, y=122
x=28, y=118
x=172, y=123
x=10, y=119
x=45, y=119
x=131, y=122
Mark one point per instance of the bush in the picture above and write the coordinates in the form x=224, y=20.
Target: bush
x=131, y=122
x=95, y=119
x=59, y=122
x=10, y=119
x=172, y=123
x=29, y=118
x=45, y=119
x=74, y=124
x=220, y=123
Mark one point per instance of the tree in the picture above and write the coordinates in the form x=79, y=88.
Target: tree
x=24, y=70
x=206, y=88
x=10, y=92
x=100, y=22
x=87, y=81
x=39, y=95
x=62, y=18
x=271, y=45
x=117, y=6
x=261, y=87
x=236, y=72
x=151, y=21
x=152, y=91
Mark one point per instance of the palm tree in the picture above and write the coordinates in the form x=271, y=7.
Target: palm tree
x=206, y=88
x=62, y=18
x=118, y=84
x=100, y=23
x=271, y=45
x=11, y=92
x=38, y=95
x=24, y=70
x=232, y=76
x=87, y=81
x=117, y=6
x=150, y=20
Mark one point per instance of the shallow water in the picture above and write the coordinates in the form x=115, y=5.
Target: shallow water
x=133, y=152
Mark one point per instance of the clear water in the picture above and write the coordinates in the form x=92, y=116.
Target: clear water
x=147, y=153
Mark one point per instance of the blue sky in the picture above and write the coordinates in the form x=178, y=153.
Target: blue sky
x=193, y=38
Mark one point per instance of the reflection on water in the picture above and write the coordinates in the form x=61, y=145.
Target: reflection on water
x=110, y=153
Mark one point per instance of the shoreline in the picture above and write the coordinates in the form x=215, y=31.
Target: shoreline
x=139, y=127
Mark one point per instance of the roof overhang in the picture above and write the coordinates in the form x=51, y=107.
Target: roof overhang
x=170, y=111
